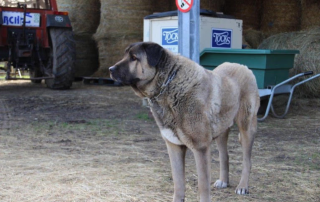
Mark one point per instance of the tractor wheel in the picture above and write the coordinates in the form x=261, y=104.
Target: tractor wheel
x=62, y=58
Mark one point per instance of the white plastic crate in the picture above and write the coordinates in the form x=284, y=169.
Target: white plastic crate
x=215, y=32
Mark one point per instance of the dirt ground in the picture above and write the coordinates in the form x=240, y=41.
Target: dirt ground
x=98, y=143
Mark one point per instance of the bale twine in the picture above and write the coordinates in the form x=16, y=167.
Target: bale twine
x=84, y=16
x=214, y=5
x=246, y=10
x=280, y=16
x=253, y=37
x=121, y=23
x=308, y=43
x=310, y=14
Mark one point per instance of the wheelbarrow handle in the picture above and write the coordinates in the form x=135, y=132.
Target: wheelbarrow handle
x=308, y=73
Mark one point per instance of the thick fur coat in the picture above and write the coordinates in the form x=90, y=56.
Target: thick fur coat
x=192, y=107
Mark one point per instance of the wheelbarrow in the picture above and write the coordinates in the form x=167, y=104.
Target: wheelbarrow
x=282, y=88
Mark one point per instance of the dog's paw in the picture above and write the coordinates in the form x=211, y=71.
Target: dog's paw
x=220, y=184
x=242, y=191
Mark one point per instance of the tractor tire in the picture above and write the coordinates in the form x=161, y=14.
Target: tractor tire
x=62, y=58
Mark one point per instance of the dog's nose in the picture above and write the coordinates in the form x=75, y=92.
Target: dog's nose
x=111, y=69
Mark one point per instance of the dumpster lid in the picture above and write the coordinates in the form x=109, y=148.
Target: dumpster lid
x=203, y=12
x=247, y=51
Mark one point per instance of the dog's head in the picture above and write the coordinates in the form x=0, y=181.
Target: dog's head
x=138, y=65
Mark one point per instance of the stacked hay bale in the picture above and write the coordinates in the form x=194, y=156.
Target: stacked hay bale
x=84, y=16
x=245, y=44
x=246, y=10
x=310, y=15
x=308, y=43
x=253, y=38
x=163, y=5
x=280, y=16
x=121, y=23
x=213, y=5
x=249, y=12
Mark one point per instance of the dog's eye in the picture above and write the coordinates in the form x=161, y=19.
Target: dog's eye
x=134, y=58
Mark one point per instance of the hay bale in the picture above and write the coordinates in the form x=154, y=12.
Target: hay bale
x=308, y=43
x=163, y=5
x=280, y=16
x=111, y=50
x=122, y=18
x=245, y=44
x=214, y=5
x=310, y=14
x=246, y=10
x=253, y=37
x=84, y=16
x=87, y=58
x=121, y=23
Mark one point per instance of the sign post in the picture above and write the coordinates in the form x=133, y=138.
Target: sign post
x=189, y=25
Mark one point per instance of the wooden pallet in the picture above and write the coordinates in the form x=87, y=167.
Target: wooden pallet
x=100, y=81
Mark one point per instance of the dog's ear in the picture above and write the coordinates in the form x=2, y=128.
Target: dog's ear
x=130, y=46
x=154, y=53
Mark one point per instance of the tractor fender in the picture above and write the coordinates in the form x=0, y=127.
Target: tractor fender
x=58, y=21
x=1, y=18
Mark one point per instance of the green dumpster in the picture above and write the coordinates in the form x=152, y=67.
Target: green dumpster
x=270, y=67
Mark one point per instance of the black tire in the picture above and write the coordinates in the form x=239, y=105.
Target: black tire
x=62, y=58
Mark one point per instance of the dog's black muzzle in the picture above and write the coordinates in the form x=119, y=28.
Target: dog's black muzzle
x=112, y=72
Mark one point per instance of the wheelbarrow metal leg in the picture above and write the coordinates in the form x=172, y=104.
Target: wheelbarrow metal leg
x=290, y=97
x=283, y=88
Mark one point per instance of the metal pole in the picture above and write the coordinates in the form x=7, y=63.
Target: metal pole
x=189, y=33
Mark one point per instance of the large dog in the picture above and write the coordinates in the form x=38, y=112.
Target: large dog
x=192, y=107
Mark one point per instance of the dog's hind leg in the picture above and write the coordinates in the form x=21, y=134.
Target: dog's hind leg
x=247, y=123
x=246, y=143
x=221, y=142
x=177, y=159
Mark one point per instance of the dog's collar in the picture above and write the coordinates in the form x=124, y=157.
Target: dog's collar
x=163, y=87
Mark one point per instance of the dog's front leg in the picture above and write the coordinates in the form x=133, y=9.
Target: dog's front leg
x=177, y=155
x=203, y=163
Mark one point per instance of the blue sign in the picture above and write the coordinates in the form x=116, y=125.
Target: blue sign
x=221, y=38
x=169, y=36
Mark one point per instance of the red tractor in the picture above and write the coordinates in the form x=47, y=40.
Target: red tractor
x=36, y=37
